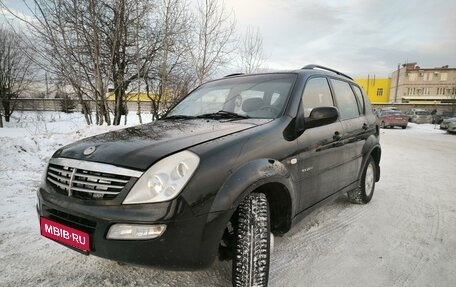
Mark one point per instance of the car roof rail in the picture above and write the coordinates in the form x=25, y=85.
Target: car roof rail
x=235, y=74
x=312, y=66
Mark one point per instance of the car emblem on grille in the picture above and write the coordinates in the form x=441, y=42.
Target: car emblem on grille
x=89, y=150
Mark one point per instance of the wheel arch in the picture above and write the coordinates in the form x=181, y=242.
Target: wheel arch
x=280, y=206
x=376, y=153
x=260, y=176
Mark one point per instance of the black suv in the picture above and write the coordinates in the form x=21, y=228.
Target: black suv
x=237, y=160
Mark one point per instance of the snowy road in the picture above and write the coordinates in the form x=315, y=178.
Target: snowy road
x=405, y=237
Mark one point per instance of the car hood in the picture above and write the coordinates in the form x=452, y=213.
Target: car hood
x=140, y=146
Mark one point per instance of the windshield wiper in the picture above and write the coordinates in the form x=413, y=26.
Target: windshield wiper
x=178, y=117
x=223, y=115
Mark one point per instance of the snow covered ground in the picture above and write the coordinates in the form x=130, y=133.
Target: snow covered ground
x=405, y=237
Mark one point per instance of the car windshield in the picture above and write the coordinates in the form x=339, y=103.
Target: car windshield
x=256, y=96
x=423, y=113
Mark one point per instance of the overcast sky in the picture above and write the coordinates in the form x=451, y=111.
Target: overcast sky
x=355, y=36
x=358, y=37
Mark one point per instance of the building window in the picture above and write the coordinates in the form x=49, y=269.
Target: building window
x=440, y=91
x=443, y=76
x=379, y=92
x=412, y=76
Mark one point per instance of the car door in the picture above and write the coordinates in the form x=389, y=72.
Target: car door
x=355, y=125
x=319, y=149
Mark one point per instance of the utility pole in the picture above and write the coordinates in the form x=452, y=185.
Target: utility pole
x=397, y=82
x=368, y=80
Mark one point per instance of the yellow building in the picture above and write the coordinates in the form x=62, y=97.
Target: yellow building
x=377, y=89
x=133, y=96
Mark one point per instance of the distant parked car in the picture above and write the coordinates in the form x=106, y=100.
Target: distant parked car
x=452, y=128
x=419, y=116
x=439, y=117
x=444, y=124
x=392, y=118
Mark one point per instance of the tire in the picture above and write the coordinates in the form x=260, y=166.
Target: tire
x=366, y=184
x=252, y=242
x=404, y=127
x=382, y=125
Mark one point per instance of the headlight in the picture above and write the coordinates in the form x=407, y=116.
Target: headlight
x=164, y=180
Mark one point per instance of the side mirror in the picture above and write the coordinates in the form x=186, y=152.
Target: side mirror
x=319, y=116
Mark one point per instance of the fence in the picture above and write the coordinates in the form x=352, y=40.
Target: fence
x=56, y=105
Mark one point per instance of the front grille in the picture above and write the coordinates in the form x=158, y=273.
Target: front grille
x=70, y=220
x=88, y=180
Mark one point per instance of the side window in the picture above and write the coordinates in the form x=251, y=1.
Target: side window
x=316, y=94
x=359, y=96
x=346, y=101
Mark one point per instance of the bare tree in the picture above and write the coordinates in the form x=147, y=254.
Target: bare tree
x=105, y=45
x=214, y=31
x=66, y=45
x=171, y=65
x=15, y=71
x=93, y=45
x=251, y=51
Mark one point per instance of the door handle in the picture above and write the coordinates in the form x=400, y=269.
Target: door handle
x=365, y=127
x=337, y=136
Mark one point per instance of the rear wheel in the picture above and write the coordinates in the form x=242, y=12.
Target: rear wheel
x=404, y=127
x=252, y=242
x=382, y=125
x=366, y=185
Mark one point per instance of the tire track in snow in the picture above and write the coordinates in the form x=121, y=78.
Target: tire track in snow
x=308, y=243
x=424, y=254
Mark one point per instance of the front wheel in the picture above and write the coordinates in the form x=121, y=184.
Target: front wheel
x=252, y=242
x=366, y=185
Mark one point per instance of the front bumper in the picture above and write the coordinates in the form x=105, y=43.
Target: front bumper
x=189, y=241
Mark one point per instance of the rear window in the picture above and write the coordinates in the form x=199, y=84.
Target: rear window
x=359, y=96
x=346, y=101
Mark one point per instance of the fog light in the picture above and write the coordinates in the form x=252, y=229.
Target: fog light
x=135, y=231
